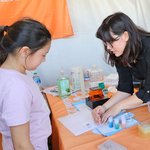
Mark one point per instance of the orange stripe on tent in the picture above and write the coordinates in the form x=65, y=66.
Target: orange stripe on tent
x=53, y=13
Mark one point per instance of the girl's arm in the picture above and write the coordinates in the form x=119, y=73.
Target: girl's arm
x=21, y=137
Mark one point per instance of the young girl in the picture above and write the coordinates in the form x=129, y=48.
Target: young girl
x=24, y=115
x=127, y=47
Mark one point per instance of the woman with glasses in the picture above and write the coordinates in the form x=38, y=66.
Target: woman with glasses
x=127, y=48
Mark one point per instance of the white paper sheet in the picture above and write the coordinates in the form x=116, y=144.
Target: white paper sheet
x=51, y=90
x=78, y=122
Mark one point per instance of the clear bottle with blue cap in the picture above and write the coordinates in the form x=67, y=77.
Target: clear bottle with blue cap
x=37, y=79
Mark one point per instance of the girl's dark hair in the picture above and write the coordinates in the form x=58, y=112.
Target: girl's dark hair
x=25, y=32
x=118, y=23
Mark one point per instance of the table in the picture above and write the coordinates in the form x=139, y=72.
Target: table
x=63, y=139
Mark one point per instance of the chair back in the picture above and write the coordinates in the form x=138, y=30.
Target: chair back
x=1, y=142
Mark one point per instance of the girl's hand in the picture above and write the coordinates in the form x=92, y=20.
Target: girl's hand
x=97, y=114
x=113, y=111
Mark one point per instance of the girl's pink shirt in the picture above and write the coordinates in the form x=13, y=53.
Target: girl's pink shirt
x=20, y=102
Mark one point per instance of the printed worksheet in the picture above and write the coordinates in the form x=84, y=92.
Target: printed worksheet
x=79, y=122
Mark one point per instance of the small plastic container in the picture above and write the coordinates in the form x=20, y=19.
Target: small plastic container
x=96, y=93
x=111, y=145
x=123, y=121
x=116, y=124
x=144, y=128
x=110, y=122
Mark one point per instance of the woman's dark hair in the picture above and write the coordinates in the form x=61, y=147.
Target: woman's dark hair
x=117, y=24
x=25, y=32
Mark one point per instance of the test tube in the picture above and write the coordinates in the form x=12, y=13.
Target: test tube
x=110, y=122
x=123, y=121
x=116, y=123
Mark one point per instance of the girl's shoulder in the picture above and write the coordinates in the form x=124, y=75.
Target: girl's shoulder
x=12, y=78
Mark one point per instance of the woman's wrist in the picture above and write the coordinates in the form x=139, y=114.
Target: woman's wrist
x=104, y=108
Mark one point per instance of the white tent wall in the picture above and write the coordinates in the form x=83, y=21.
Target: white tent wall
x=84, y=49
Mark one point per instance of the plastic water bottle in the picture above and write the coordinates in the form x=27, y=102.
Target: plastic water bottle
x=96, y=76
x=86, y=80
x=37, y=79
x=63, y=84
x=77, y=79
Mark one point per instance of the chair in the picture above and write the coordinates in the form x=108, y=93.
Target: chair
x=1, y=142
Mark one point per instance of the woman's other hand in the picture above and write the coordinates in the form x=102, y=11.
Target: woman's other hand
x=97, y=113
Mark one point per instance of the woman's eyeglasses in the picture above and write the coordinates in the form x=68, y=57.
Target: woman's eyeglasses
x=110, y=44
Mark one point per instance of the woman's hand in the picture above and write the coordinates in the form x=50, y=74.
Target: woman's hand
x=113, y=111
x=129, y=102
x=97, y=114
